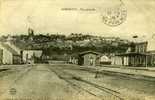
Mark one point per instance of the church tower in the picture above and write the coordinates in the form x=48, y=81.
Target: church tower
x=30, y=33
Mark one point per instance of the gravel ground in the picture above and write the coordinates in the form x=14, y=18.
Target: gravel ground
x=131, y=89
x=38, y=83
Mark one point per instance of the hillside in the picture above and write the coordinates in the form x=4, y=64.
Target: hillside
x=74, y=43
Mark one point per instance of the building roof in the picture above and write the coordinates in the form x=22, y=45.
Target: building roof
x=132, y=54
x=141, y=43
x=6, y=46
x=138, y=39
x=151, y=52
x=92, y=52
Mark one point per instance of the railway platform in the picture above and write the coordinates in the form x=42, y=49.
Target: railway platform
x=141, y=72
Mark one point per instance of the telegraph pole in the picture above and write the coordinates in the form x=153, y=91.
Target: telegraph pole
x=146, y=61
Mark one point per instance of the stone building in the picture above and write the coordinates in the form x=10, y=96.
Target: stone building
x=8, y=55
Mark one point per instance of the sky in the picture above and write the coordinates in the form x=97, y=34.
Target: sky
x=47, y=16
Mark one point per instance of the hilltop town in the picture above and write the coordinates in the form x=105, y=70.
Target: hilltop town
x=44, y=48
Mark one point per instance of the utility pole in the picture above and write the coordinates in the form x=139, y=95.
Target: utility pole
x=146, y=61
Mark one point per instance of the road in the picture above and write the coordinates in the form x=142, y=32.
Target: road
x=48, y=82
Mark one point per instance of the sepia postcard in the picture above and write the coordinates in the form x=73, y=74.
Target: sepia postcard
x=77, y=50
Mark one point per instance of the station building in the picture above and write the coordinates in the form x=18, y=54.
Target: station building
x=137, y=55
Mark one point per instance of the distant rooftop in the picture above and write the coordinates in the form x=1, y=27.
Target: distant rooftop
x=86, y=52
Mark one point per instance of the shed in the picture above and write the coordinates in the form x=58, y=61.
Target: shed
x=89, y=58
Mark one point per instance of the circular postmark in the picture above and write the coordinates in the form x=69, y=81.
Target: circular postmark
x=114, y=16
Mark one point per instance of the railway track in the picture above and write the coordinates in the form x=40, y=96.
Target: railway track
x=78, y=83
x=112, y=73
